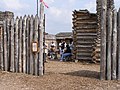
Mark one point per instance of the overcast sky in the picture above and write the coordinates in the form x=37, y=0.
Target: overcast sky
x=58, y=15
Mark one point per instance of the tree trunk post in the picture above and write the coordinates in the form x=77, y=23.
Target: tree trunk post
x=103, y=40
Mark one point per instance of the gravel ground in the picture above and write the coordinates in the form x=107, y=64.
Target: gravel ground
x=59, y=76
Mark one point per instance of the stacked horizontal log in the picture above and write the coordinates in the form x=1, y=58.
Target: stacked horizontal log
x=84, y=34
x=96, y=48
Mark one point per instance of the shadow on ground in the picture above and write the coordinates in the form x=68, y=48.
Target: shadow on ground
x=85, y=73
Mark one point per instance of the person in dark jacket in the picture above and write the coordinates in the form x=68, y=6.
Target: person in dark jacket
x=67, y=52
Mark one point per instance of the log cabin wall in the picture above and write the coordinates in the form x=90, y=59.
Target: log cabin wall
x=84, y=34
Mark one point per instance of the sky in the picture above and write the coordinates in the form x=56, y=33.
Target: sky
x=58, y=15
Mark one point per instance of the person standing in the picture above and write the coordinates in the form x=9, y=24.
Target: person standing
x=45, y=52
x=62, y=48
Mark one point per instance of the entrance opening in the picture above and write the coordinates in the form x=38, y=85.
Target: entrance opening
x=82, y=36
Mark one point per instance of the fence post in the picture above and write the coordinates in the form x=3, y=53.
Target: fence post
x=118, y=44
x=7, y=63
x=5, y=46
x=12, y=46
x=20, y=44
x=103, y=40
x=109, y=47
x=0, y=45
x=28, y=45
x=41, y=29
x=1, y=48
x=16, y=46
x=23, y=44
x=114, y=51
x=30, y=42
x=36, y=40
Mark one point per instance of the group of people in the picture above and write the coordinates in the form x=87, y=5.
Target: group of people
x=65, y=50
x=50, y=52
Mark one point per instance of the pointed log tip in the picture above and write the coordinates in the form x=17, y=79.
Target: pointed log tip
x=17, y=17
x=31, y=16
x=20, y=17
x=24, y=16
x=28, y=16
x=36, y=16
x=119, y=10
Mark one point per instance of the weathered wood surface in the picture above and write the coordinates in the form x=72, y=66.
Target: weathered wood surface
x=118, y=45
x=109, y=45
x=41, y=30
x=12, y=46
x=5, y=46
x=105, y=22
x=36, y=40
x=1, y=48
x=114, y=44
x=31, y=40
x=85, y=33
x=27, y=45
x=24, y=45
x=103, y=40
x=8, y=45
x=16, y=45
x=20, y=44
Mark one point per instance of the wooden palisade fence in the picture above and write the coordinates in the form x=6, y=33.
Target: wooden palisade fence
x=16, y=38
x=110, y=41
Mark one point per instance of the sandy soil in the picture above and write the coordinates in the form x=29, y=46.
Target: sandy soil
x=59, y=76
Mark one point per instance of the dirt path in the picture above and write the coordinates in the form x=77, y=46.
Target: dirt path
x=59, y=76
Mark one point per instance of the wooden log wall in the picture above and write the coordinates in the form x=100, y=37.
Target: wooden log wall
x=118, y=61
x=96, y=47
x=84, y=33
x=110, y=41
x=110, y=62
x=16, y=38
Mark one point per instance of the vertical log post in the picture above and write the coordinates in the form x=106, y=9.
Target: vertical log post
x=30, y=42
x=20, y=44
x=12, y=46
x=5, y=46
x=1, y=48
x=119, y=45
x=114, y=51
x=41, y=29
x=103, y=40
x=16, y=46
x=27, y=45
x=109, y=47
x=24, y=45
x=8, y=45
x=36, y=40
x=0, y=45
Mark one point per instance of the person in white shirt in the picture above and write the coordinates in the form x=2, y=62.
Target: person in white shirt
x=45, y=52
x=52, y=44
